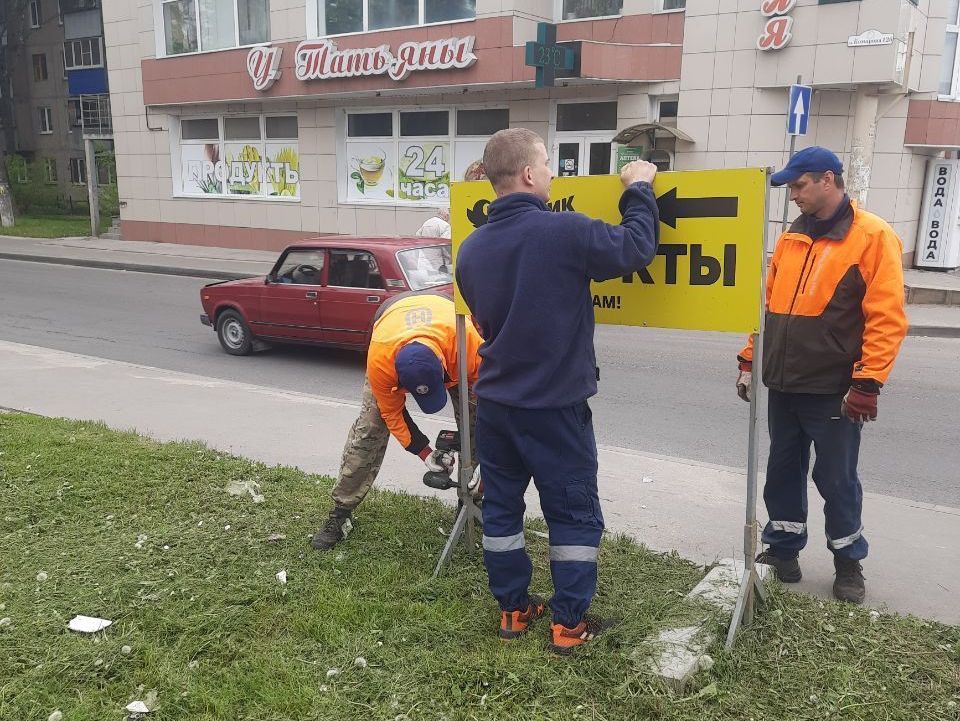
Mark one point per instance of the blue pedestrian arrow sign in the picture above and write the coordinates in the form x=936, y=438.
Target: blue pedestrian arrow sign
x=798, y=109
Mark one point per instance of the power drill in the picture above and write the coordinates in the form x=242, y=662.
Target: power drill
x=446, y=441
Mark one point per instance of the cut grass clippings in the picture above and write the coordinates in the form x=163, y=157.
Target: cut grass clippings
x=115, y=525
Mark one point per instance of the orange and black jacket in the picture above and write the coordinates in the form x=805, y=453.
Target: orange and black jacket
x=428, y=319
x=835, y=311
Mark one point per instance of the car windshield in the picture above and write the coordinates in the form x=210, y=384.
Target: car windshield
x=426, y=267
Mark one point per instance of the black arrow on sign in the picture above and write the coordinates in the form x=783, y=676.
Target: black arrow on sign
x=673, y=208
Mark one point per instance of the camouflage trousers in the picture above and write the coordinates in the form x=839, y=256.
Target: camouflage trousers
x=367, y=444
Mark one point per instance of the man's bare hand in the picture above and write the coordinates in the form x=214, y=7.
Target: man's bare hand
x=636, y=171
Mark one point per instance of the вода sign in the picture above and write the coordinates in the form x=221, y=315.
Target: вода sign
x=777, y=28
x=938, y=241
x=322, y=60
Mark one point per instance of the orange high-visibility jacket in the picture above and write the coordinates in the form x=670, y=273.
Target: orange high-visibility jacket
x=427, y=319
x=834, y=310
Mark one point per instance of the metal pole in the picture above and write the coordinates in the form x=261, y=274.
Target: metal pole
x=466, y=447
x=92, y=194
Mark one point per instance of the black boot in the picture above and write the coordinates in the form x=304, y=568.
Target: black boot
x=787, y=570
x=848, y=585
x=338, y=525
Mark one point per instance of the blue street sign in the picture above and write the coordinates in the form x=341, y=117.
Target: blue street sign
x=798, y=109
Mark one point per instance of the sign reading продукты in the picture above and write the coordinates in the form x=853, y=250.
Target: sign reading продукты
x=798, y=109
x=551, y=59
x=706, y=274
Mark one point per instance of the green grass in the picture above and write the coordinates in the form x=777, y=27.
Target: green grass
x=52, y=226
x=213, y=632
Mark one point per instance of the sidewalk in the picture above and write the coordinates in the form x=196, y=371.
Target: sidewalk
x=667, y=503
x=934, y=319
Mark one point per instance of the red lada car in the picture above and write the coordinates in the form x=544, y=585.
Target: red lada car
x=323, y=291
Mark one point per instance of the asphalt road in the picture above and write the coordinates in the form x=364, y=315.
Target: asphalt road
x=665, y=392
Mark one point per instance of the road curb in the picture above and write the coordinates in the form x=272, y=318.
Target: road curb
x=934, y=331
x=132, y=267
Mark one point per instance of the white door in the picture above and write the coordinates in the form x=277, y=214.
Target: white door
x=582, y=155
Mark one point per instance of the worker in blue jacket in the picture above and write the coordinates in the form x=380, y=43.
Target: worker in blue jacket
x=526, y=275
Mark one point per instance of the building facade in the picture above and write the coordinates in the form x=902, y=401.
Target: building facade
x=59, y=92
x=253, y=123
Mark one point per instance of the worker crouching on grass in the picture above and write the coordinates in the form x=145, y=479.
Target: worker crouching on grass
x=413, y=349
x=526, y=277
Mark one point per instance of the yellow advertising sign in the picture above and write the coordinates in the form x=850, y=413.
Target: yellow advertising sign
x=707, y=272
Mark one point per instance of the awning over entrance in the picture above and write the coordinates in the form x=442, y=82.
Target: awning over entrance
x=629, y=135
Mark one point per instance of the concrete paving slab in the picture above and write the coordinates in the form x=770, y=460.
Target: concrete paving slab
x=694, y=508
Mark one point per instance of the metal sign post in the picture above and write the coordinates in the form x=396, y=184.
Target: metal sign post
x=798, y=117
x=469, y=510
x=750, y=582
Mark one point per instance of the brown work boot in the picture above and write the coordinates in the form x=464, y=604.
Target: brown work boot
x=563, y=639
x=848, y=585
x=338, y=525
x=514, y=624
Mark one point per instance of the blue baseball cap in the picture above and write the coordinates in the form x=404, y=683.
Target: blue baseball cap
x=809, y=160
x=420, y=373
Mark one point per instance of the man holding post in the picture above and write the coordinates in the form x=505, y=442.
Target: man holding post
x=413, y=349
x=526, y=277
x=834, y=325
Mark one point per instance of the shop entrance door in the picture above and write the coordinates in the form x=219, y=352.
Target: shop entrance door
x=582, y=155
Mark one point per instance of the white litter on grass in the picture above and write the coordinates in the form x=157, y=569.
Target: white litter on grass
x=137, y=707
x=126, y=650
x=274, y=537
x=333, y=672
x=141, y=539
x=483, y=700
x=56, y=716
x=227, y=527
x=360, y=662
x=323, y=688
x=193, y=664
x=5, y=622
x=42, y=576
x=88, y=624
x=282, y=577
x=244, y=488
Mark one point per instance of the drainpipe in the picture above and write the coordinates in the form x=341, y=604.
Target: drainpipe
x=862, y=144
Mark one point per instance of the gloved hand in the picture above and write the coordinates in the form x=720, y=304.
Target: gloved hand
x=476, y=484
x=745, y=381
x=860, y=403
x=439, y=461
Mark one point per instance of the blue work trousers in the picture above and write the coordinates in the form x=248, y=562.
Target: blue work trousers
x=556, y=447
x=795, y=421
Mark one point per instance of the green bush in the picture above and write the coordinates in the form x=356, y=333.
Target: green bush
x=34, y=196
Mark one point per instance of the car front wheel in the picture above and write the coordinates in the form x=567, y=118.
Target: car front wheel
x=233, y=333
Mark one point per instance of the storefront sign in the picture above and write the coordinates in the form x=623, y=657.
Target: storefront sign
x=322, y=60
x=938, y=243
x=777, y=30
x=711, y=238
x=870, y=37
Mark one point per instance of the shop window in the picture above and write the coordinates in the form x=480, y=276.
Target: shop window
x=82, y=53
x=354, y=269
x=950, y=69
x=251, y=155
x=673, y=4
x=46, y=120
x=586, y=116
x=408, y=157
x=40, y=67
x=336, y=17
x=78, y=171
x=667, y=111
x=576, y=9
x=36, y=15
x=201, y=25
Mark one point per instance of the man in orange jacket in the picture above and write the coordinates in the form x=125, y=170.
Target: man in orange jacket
x=834, y=325
x=413, y=349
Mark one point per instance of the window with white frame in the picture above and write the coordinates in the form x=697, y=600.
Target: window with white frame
x=335, y=17
x=251, y=155
x=950, y=70
x=82, y=53
x=50, y=170
x=673, y=4
x=191, y=26
x=36, y=14
x=46, y=120
x=410, y=156
x=577, y=9
x=78, y=171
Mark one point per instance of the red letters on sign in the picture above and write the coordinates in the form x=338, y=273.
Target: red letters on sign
x=776, y=34
x=776, y=7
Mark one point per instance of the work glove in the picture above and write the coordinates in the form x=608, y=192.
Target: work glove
x=745, y=381
x=439, y=461
x=860, y=403
x=476, y=484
